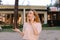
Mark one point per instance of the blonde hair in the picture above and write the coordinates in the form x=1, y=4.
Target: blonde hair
x=37, y=19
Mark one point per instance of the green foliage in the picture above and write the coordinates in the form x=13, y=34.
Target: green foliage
x=21, y=26
x=10, y=26
x=45, y=25
x=7, y=26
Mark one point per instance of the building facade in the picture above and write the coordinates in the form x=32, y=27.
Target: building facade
x=7, y=13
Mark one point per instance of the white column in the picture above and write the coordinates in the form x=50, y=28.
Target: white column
x=45, y=18
x=23, y=16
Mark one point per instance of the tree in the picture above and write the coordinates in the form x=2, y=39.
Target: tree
x=57, y=4
x=16, y=14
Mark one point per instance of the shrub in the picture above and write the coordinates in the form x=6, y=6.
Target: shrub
x=45, y=25
x=10, y=26
x=7, y=26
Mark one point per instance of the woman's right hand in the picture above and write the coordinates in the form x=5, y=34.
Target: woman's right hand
x=17, y=30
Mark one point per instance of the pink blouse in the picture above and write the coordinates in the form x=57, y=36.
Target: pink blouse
x=28, y=31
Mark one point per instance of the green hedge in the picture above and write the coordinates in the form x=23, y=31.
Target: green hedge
x=21, y=26
x=7, y=26
x=10, y=26
x=45, y=25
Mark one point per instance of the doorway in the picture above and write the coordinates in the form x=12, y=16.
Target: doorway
x=54, y=19
x=41, y=16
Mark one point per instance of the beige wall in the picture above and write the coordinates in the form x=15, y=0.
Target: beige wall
x=24, y=11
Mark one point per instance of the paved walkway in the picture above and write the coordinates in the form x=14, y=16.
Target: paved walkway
x=45, y=35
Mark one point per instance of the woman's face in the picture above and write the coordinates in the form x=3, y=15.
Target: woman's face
x=30, y=15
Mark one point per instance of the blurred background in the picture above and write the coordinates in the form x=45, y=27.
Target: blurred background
x=12, y=15
x=48, y=11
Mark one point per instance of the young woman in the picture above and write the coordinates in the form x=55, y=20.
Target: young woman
x=32, y=27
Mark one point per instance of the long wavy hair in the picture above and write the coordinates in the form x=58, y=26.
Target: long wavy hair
x=37, y=19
